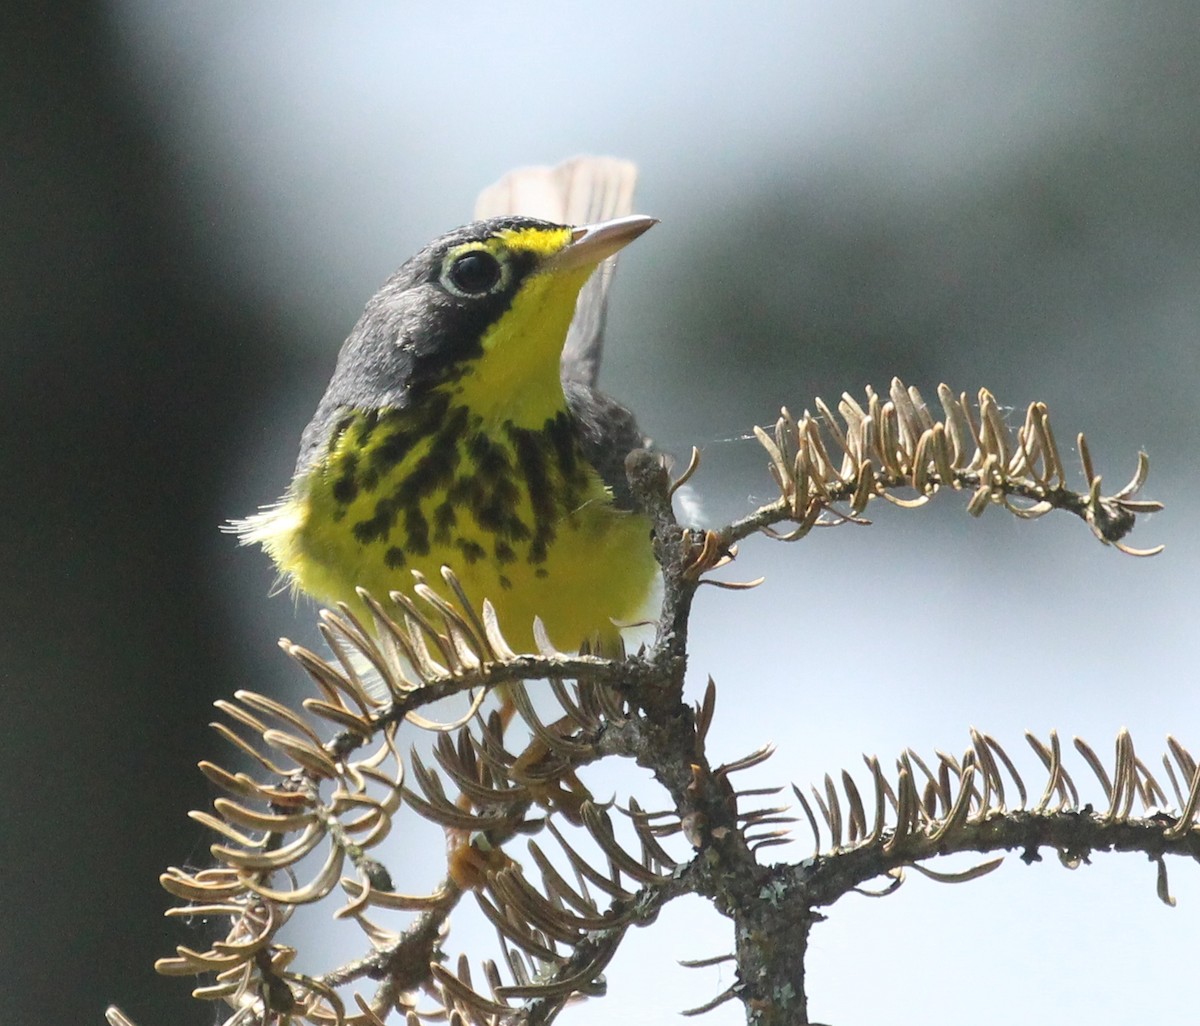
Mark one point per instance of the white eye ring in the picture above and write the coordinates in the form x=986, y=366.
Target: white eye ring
x=474, y=271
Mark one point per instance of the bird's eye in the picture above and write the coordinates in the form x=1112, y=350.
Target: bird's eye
x=474, y=273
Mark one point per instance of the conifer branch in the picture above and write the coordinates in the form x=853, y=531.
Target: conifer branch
x=862, y=453
x=331, y=782
x=959, y=805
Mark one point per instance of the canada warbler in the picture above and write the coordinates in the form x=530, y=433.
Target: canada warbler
x=462, y=425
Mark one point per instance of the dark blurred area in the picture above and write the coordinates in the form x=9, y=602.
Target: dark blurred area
x=136, y=369
x=125, y=373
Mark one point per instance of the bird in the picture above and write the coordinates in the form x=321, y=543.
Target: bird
x=463, y=425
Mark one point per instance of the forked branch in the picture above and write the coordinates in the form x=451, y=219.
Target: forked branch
x=561, y=876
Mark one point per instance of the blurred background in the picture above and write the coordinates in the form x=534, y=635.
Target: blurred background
x=196, y=201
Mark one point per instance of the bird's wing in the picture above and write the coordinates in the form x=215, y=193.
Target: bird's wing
x=579, y=191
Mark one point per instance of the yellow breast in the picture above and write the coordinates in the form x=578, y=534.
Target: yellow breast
x=516, y=512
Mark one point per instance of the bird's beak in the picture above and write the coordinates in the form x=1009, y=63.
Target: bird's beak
x=591, y=243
